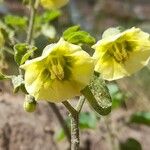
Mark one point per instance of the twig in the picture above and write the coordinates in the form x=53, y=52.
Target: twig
x=34, y=6
x=80, y=104
x=69, y=107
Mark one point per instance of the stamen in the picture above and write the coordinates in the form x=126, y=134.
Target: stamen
x=119, y=52
x=57, y=70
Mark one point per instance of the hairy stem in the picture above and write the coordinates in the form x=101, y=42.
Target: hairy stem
x=33, y=6
x=74, y=115
x=80, y=104
x=74, y=131
x=61, y=120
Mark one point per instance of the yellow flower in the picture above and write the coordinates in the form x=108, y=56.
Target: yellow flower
x=53, y=4
x=62, y=71
x=121, y=54
x=2, y=41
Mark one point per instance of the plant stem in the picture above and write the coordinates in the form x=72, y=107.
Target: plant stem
x=74, y=115
x=75, y=131
x=61, y=120
x=80, y=104
x=33, y=6
x=6, y=49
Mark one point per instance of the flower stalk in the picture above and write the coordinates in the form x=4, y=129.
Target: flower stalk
x=74, y=116
x=75, y=131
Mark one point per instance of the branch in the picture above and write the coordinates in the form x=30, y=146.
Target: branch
x=33, y=6
x=80, y=104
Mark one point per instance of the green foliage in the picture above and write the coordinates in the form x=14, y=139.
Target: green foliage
x=70, y=30
x=3, y=77
x=130, y=144
x=99, y=97
x=26, y=2
x=51, y=15
x=47, y=17
x=14, y=21
x=116, y=95
x=141, y=118
x=76, y=36
x=87, y=120
x=22, y=52
x=60, y=135
x=8, y=33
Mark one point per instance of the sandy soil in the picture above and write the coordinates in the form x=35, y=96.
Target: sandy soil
x=20, y=130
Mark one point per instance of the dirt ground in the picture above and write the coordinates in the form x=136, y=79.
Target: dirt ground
x=20, y=130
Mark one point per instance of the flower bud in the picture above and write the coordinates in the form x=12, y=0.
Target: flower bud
x=29, y=104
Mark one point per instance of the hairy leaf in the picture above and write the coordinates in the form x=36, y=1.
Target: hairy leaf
x=22, y=52
x=98, y=96
x=3, y=76
x=76, y=36
x=13, y=20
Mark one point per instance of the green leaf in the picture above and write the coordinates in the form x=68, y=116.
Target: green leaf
x=17, y=82
x=76, y=36
x=98, y=96
x=130, y=144
x=26, y=2
x=3, y=77
x=59, y=135
x=87, y=120
x=22, y=52
x=113, y=88
x=70, y=30
x=49, y=16
x=8, y=33
x=13, y=20
x=81, y=37
x=141, y=118
x=116, y=95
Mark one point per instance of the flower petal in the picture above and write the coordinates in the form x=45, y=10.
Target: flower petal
x=122, y=54
x=137, y=61
x=110, y=69
x=41, y=82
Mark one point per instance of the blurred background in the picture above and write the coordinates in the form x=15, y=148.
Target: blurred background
x=126, y=128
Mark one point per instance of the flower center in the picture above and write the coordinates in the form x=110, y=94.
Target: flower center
x=119, y=52
x=56, y=69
